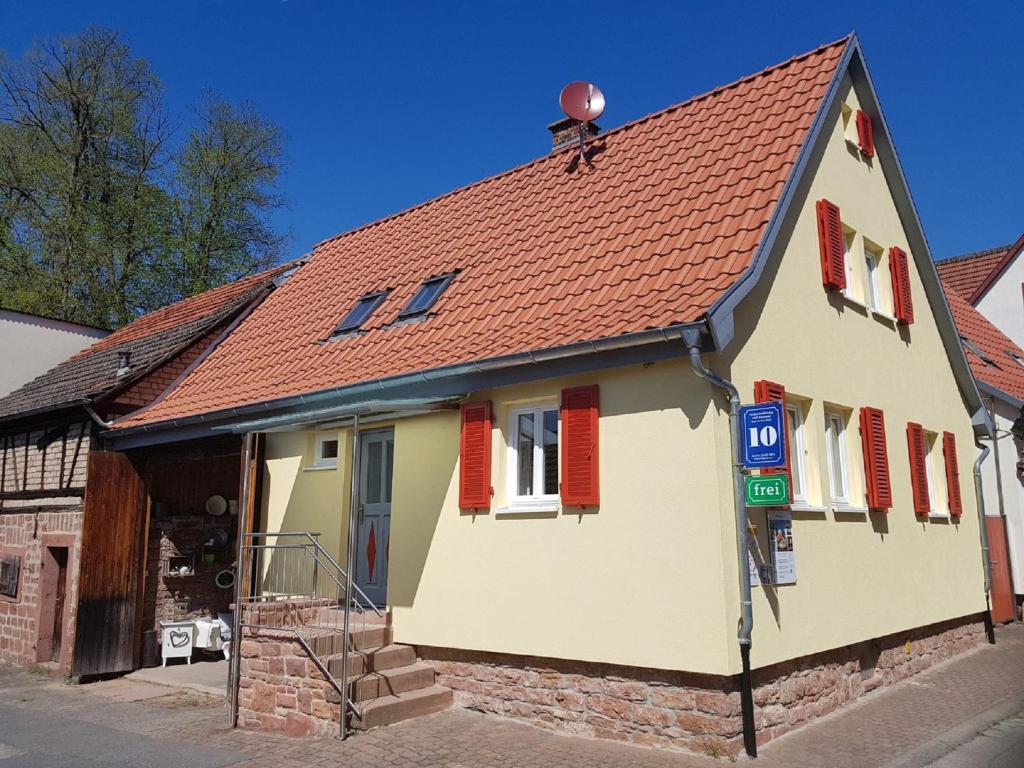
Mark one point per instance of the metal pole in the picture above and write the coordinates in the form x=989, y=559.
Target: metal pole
x=236, y=632
x=353, y=533
x=691, y=338
x=979, y=496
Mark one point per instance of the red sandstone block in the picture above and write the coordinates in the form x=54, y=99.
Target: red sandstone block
x=286, y=701
x=570, y=701
x=645, y=715
x=617, y=709
x=294, y=666
x=304, y=699
x=250, y=648
x=674, y=698
x=297, y=724
x=630, y=691
x=275, y=666
x=727, y=704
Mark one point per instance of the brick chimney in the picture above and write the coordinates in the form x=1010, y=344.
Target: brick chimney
x=565, y=132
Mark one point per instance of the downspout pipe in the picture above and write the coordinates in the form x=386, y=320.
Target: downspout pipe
x=691, y=337
x=350, y=564
x=979, y=496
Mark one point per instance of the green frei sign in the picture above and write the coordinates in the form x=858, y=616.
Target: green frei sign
x=767, y=490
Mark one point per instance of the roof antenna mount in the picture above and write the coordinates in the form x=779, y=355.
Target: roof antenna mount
x=583, y=102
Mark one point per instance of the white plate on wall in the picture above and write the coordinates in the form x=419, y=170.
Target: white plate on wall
x=216, y=505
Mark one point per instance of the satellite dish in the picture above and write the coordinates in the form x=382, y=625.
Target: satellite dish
x=582, y=101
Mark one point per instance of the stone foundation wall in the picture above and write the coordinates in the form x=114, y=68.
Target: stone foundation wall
x=281, y=689
x=26, y=620
x=678, y=710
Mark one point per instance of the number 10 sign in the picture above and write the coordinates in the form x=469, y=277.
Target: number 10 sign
x=764, y=446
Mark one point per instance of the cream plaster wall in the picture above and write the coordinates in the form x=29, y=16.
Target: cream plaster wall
x=1003, y=303
x=636, y=581
x=299, y=497
x=859, y=575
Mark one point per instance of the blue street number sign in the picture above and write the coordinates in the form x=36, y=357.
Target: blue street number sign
x=764, y=446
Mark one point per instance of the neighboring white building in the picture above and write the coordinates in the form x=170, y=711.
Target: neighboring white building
x=30, y=345
x=992, y=282
x=998, y=366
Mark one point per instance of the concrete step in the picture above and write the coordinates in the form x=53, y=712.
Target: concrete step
x=393, y=709
x=336, y=616
x=329, y=640
x=389, y=657
x=388, y=682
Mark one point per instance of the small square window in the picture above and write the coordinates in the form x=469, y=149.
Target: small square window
x=872, y=286
x=361, y=312
x=326, y=451
x=426, y=295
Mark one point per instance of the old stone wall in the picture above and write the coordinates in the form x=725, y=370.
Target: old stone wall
x=678, y=710
x=171, y=598
x=27, y=620
x=281, y=689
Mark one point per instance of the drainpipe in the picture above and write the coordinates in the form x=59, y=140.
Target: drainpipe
x=999, y=485
x=691, y=337
x=240, y=577
x=979, y=496
x=97, y=418
x=353, y=533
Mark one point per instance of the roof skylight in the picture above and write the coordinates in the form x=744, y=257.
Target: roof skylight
x=361, y=312
x=426, y=295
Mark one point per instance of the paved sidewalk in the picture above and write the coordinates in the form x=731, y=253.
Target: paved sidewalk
x=958, y=712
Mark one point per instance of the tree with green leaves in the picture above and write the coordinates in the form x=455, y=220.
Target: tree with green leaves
x=103, y=214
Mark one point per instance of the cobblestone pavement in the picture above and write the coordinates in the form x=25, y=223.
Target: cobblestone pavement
x=125, y=723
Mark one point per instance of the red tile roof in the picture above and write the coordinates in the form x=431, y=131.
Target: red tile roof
x=965, y=274
x=185, y=311
x=1001, y=371
x=667, y=218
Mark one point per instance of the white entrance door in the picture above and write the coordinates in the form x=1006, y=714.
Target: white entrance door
x=375, y=467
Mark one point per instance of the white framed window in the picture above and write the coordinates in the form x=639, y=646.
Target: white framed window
x=848, y=263
x=933, y=454
x=838, y=469
x=533, y=464
x=797, y=453
x=873, y=297
x=325, y=450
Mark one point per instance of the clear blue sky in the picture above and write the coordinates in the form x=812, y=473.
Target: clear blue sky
x=388, y=104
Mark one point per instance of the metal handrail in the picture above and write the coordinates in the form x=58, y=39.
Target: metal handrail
x=303, y=586
x=320, y=550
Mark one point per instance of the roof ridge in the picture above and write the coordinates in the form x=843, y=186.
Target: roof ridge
x=974, y=254
x=632, y=123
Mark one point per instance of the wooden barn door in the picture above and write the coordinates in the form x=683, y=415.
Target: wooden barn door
x=109, y=581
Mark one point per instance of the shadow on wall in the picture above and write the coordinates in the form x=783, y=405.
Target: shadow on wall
x=297, y=498
x=426, y=458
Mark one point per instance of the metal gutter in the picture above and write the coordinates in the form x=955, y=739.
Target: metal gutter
x=383, y=386
x=311, y=418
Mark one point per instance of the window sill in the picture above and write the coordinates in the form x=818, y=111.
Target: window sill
x=939, y=516
x=529, y=508
x=885, y=318
x=314, y=468
x=867, y=308
x=802, y=506
x=848, y=509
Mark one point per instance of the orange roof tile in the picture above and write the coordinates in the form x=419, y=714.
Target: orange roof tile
x=966, y=274
x=667, y=218
x=1000, y=371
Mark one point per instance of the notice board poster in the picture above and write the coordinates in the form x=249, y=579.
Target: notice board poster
x=780, y=540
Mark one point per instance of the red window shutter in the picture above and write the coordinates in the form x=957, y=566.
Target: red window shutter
x=876, y=458
x=917, y=448
x=770, y=392
x=865, y=133
x=830, y=239
x=956, y=504
x=580, y=416
x=902, y=300
x=475, y=456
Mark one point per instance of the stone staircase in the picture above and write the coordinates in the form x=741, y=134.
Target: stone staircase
x=386, y=681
